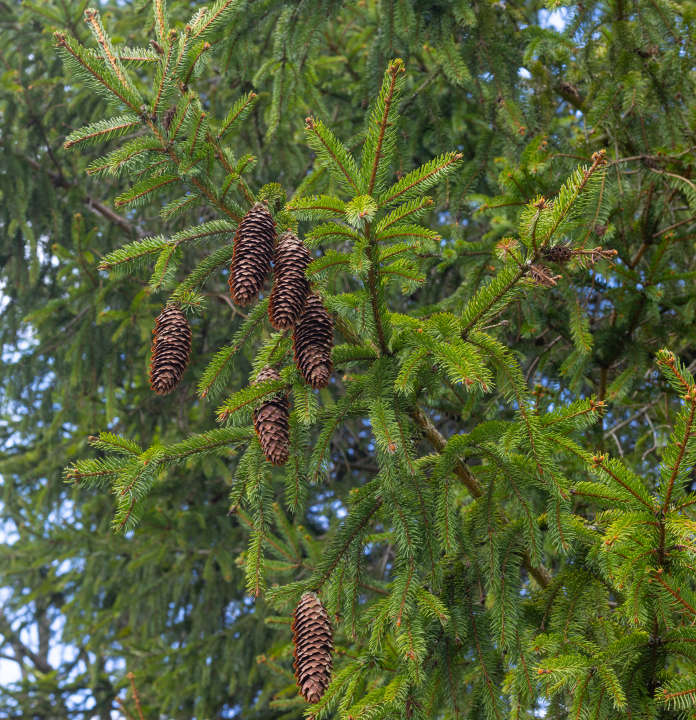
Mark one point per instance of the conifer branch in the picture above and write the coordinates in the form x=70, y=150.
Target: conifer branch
x=682, y=444
x=413, y=209
x=102, y=130
x=421, y=179
x=164, y=75
x=338, y=157
x=598, y=159
x=141, y=192
x=237, y=179
x=161, y=24
x=469, y=480
x=201, y=186
x=240, y=110
x=205, y=47
x=500, y=287
x=674, y=593
x=673, y=462
x=373, y=284
x=79, y=58
x=322, y=573
x=395, y=69
x=612, y=470
x=218, y=14
x=92, y=19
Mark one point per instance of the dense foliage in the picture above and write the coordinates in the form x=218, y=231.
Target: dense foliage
x=518, y=566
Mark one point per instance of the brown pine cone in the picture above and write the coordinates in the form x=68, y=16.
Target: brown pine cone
x=271, y=422
x=291, y=286
x=313, y=640
x=169, y=118
x=170, y=350
x=558, y=253
x=312, y=342
x=253, y=250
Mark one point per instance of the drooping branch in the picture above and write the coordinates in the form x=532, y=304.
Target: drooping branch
x=539, y=572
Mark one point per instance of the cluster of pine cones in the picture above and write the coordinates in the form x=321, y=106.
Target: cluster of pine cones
x=292, y=305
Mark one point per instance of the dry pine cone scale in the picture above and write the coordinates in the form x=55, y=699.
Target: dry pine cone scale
x=272, y=422
x=291, y=287
x=312, y=343
x=313, y=642
x=558, y=253
x=170, y=350
x=253, y=249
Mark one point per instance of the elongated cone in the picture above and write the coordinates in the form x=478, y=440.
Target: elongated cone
x=291, y=286
x=170, y=350
x=313, y=640
x=312, y=342
x=272, y=423
x=253, y=250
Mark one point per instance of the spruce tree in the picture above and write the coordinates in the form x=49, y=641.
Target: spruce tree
x=453, y=590
x=632, y=88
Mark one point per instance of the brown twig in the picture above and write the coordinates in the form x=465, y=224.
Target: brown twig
x=136, y=697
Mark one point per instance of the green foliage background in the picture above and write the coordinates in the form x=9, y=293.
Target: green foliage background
x=167, y=601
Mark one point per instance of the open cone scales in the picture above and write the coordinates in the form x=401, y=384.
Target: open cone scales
x=253, y=250
x=291, y=287
x=313, y=641
x=559, y=253
x=312, y=343
x=272, y=422
x=170, y=350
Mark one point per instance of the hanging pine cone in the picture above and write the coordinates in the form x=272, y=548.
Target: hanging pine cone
x=170, y=350
x=271, y=422
x=558, y=254
x=312, y=342
x=291, y=286
x=313, y=640
x=253, y=250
